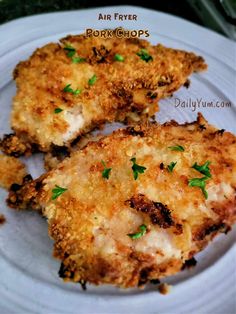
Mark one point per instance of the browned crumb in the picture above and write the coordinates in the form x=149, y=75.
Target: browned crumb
x=164, y=288
x=190, y=263
x=2, y=219
x=187, y=83
x=14, y=146
x=12, y=170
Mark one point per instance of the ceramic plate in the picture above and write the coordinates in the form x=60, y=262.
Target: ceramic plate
x=29, y=282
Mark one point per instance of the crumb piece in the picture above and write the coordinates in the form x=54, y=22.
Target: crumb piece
x=162, y=166
x=190, y=263
x=12, y=170
x=155, y=281
x=12, y=145
x=220, y=132
x=187, y=83
x=2, y=219
x=164, y=288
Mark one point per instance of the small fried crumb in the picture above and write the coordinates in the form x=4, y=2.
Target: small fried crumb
x=12, y=145
x=187, y=83
x=12, y=170
x=164, y=288
x=2, y=219
x=190, y=263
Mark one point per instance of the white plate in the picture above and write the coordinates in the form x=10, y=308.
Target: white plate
x=29, y=280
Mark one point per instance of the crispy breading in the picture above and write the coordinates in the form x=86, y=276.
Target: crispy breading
x=93, y=216
x=59, y=153
x=123, y=91
x=12, y=170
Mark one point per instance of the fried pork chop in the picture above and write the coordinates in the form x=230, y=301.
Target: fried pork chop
x=137, y=204
x=67, y=89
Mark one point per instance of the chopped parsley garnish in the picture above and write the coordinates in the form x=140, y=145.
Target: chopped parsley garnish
x=57, y=191
x=70, y=51
x=58, y=110
x=69, y=48
x=137, y=168
x=106, y=171
x=144, y=55
x=139, y=234
x=204, y=169
x=118, y=57
x=68, y=89
x=92, y=80
x=78, y=59
x=177, y=148
x=171, y=166
x=70, y=54
x=201, y=183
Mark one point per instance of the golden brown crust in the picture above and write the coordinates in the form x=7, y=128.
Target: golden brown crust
x=12, y=170
x=124, y=91
x=91, y=221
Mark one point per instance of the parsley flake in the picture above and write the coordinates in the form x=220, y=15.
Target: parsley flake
x=68, y=89
x=171, y=166
x=69, y=48
x=70, y=54
x=106, y=171
x=58, y=110
x=118, y=57
x=92, y=80
x=57, y=191
x=144, y=55
x=137, y=168
x=177, y=148
x=70, y=51
x=139, y=234
x=204, y=169
x=78, y=60
x=201, y=183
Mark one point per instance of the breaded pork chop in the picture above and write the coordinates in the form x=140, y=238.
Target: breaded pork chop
x=137, y=204
x=67, y=89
